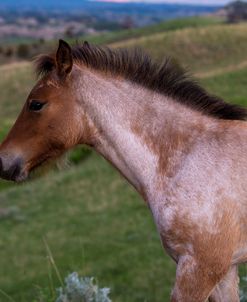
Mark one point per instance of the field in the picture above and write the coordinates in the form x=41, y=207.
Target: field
x=91, y=220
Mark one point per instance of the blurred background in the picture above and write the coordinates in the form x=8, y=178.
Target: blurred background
x=84, y=217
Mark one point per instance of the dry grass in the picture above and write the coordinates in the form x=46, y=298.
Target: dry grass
x=200, y=49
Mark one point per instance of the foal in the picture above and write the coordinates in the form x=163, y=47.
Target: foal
x=183, y=150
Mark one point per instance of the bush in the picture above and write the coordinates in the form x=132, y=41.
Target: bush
x=79, y=154
x=9, y=52
x=236, y=11
x=23, y=51
x=82, y=290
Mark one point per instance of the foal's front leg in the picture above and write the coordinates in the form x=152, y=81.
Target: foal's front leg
x=227, y=290
x=194, y=281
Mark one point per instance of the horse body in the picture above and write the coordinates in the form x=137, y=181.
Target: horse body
x=198, y=197
x=190, y=167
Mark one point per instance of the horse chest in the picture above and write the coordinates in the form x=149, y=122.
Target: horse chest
x=181, y=222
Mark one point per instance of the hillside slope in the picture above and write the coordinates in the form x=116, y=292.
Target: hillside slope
x=200, y=49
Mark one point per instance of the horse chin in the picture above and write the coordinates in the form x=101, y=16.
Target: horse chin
x=40, y=167
x=43, y=167
x=25, y=174
x=21, y=177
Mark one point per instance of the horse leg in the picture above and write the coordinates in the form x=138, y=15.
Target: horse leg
x=194, y=281
x=227, y=289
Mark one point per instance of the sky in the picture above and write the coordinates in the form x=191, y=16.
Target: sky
x=200, y=2
x=215, y=2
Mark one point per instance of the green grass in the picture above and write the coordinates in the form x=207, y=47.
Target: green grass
x=199, y=49
x=95, y=225
x=92, y=220
x=15, y=84
x=231, y=86
x=171, y=25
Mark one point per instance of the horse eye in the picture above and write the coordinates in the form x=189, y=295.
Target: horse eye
x=35, y=105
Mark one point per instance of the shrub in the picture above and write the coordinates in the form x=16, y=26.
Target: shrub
x=82, y=290
x=23, y=51
x=9, y=52
x=236, y=11
x=79, y=154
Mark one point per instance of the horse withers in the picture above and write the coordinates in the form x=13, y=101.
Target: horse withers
x=182, y=149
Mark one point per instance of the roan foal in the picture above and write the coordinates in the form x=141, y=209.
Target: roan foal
x=182, y=149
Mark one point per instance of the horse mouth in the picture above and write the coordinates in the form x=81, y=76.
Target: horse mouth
x=22, y=176
x=14, y=175
x=18, y=171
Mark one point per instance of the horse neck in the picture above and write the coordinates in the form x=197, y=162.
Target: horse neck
x=145, y=135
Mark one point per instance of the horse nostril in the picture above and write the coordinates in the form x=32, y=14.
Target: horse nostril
x=15, y=169
x=10, y=168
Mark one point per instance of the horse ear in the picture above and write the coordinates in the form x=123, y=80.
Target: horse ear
x=64, y=60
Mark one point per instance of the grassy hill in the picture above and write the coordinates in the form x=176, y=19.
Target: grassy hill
x=167, y=26
x=17, y=48
x=200, y=49
x=92, y=220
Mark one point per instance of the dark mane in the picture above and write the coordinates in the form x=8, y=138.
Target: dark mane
x=166, y=78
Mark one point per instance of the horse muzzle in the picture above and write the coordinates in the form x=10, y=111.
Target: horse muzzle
x=11, y=168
